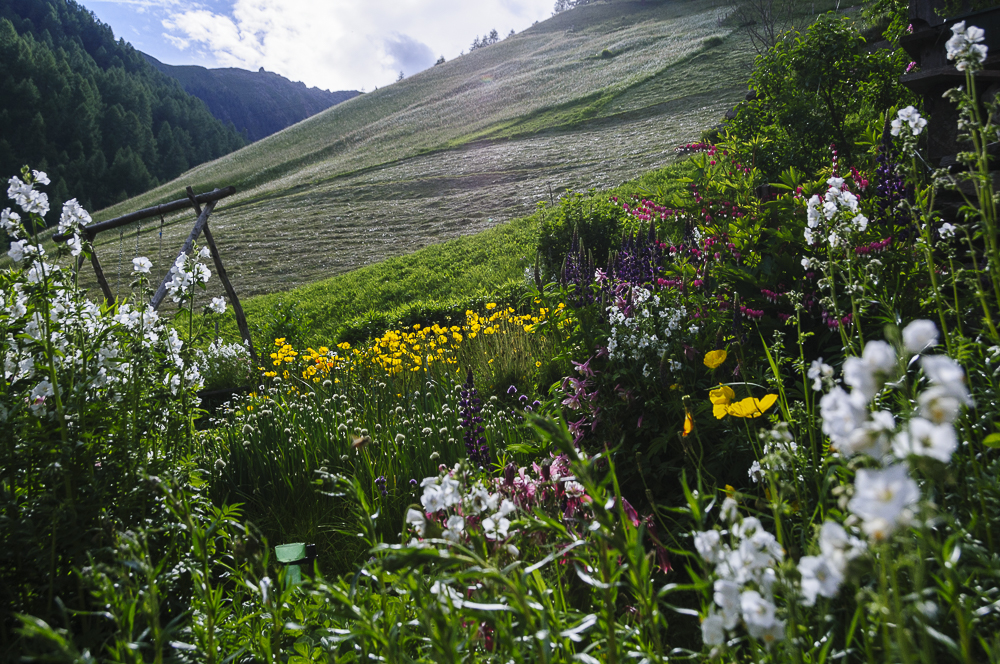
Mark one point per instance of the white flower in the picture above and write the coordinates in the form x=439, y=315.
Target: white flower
x=38, y=395
x=727, y=598
x=36, y=202
x=947, y=230
x=455, y=528
x=837, y=546
x=141, y=265
x=574, y=489
x=939, y=405
x=205, y=253
x=910, y=116
x=946, y=373
x=707, y=545
x=882, y=500
x=860, y=222
x=72, y=217
x=849, y=200
x=919, y=335
x=11, y=222
x=16, y=251
x=479, y=500
x=924, y=438
x=512, y=550
x=819, y=577
x=75, y=245
x=872, y=437
x=450, y=488
x=416, y=519
x=819, y=373
x=41, y=177
x=813, y=217
x=218, y=305
x=866, y=374
x=965, y=45
x=758, y=613
x=439, y=496
x=747, y=527
x=712, y=632
x=432, y=499
x=842, y=413
x=770, y=635
x=760, y=551
x=755, y=472
x=496, y=526
x=729, y=509
x=506, y=507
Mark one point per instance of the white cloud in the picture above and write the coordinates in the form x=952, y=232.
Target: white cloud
x=407, y=54
x=344, y=44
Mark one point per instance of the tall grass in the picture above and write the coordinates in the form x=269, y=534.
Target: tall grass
x=387, y=413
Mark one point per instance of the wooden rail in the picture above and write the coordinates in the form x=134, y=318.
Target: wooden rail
x=155, y=211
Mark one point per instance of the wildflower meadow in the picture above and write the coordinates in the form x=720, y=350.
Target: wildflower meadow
x=750, y=414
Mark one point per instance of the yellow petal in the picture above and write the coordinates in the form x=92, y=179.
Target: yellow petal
x=720, y=411
x=688, y=425
x=751, y=407
x=714, y=358
x=722, y=395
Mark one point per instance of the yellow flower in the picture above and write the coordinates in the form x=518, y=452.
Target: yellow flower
x=538, y=365
x=688, y=424
x=491, y=305
x=715, y=358
x=751, y=407
x=721, y=397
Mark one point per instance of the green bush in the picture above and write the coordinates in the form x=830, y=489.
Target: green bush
x=815, y=90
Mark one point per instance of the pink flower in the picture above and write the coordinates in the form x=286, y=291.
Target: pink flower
x=584, y=367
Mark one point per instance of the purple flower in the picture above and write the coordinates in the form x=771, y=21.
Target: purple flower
x=475, y=444
x=584, y=367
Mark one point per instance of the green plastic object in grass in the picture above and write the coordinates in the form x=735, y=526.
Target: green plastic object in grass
x=293, y=556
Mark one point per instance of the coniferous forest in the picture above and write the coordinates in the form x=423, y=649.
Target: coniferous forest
x=91, y=110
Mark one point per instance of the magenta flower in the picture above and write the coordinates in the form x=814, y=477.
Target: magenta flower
x=584, y=368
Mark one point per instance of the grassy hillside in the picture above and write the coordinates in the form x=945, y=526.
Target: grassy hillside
x=461, y=147
x=587, y=99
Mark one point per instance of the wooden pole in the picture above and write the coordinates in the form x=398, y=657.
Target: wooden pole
x=108, y=297
x=194, y=200
x=241, y=319
x=188, y=244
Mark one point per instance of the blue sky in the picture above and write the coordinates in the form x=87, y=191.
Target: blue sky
x=331, y=44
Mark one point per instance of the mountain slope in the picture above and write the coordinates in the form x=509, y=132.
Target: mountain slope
x=90, y=111
x=258, y=103
x=467, y=144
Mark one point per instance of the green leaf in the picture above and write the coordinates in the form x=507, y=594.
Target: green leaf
x=992, y=440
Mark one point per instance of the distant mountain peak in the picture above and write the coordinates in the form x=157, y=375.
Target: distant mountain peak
x=258, y=103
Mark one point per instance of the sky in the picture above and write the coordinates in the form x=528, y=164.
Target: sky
x=329, y=44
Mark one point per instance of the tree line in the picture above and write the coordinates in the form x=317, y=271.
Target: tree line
x=90, y=111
